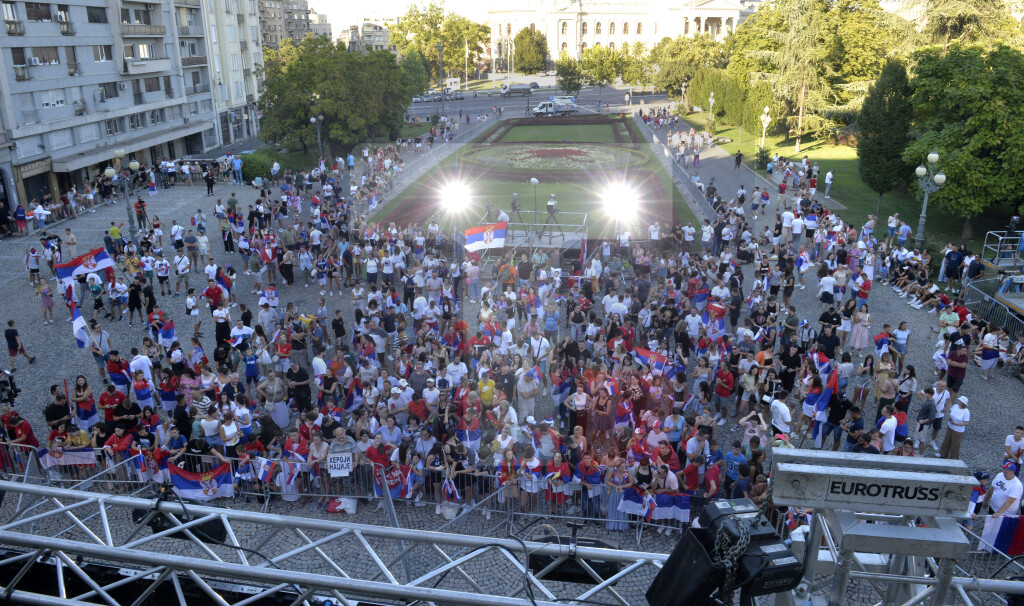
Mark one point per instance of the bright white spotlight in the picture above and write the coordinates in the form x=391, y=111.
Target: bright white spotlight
x=620, y=201
x=455, y=197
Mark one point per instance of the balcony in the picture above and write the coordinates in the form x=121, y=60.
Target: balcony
x=15, y=28
x=198, y=89
x=148, y=66
x=187, y=2
x=241, y=19
x=138, y=29
x=244, y=46
x=67, y=28
x=250, y=98
x=190, y=31
x=138, y=98
x=193, y=61
x=73, y=68
x=21, y=73
x=246, y=72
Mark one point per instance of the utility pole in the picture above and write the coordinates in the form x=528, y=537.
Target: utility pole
x=440, y=61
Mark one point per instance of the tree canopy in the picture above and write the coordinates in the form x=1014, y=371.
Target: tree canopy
x=569, y=75
x=883, y=130
x=678, y=59
x=967, y=104
x=531, y=54
x=317, y=77
x=601, y=66
x=424, y=27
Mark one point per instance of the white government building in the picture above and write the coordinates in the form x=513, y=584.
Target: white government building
x=571, y=26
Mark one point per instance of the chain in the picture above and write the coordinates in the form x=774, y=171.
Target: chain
x=726, y=556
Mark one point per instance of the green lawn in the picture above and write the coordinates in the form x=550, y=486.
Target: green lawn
x=573, y=133
x=850, y=191
x=420, y=200
x=414, y=129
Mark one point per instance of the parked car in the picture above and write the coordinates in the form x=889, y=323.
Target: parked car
x=458, y=95
x=437, y=97
x=416, y=100
x=534, y=85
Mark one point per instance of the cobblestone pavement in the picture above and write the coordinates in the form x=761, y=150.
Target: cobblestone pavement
x=996, y=405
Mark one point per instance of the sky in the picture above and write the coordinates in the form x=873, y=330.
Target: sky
x=342, y=13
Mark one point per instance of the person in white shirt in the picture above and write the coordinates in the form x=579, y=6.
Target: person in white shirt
x=707, y=232
x=826, y=291
x=781, y=415
x=654, y=231
x=1004, y=498
x=181, y=268
x=888, y=429
x=211, y=270
x=688, y=234
x=959, y=418
x=787, y=226
x=1014, y=446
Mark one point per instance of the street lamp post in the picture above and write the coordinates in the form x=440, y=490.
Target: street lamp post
x=111, y=172
x=682, y=99
x=534, y=182
x=318, y=121
x=765, y=121
x=711, y=111
x=930, y=182
x=440, y=61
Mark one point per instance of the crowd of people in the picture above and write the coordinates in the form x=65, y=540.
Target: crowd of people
x=654, y=364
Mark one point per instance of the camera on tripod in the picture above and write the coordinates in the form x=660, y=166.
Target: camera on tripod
x=552, y=206
x=515, y=203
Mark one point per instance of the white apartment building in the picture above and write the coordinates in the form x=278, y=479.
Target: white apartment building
x=318, y=24
x=233, y=33
x=84, y=78
x=370, y=34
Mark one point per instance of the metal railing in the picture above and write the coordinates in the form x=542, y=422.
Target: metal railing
x=1002, y=249
x=67, y=28
x=15, y=28
x=979, y=297
x=141, y=29
x=194, y=60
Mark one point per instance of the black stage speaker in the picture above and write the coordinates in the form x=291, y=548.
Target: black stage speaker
x=570, y=571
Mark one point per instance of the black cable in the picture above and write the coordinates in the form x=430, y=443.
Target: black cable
x=1007, y=563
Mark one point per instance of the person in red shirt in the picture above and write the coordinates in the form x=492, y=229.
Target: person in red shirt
x=691, y=474
x=478, y=341
x=109, y=400
x=665, y=455
x=120, y=441
x=724, y=384
x=23, y=431
x=378, y=453
x=60, y=431
x=712, y=480
x=213, y=294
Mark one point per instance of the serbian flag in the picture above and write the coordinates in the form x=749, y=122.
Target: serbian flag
x=265, y=472
x=152, y=188
x=666, y=506
x=803, y=261
x=612, y=385
x=78, y=325
x=397, y=480
x=646, y=356
x=90, y=262
x=820, y=402
x=235, y=342
x=486, y=236
x=821, y=362
x=534, y=373
x=1005, y=534
x=51, y=457
x=715, y=325
x=205, y=486
x=166, y=337
x=469, y=432
x=451, y=493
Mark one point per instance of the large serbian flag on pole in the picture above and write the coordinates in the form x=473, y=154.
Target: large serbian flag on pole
x=486, y=236
x=205, y=486
x=92, y=261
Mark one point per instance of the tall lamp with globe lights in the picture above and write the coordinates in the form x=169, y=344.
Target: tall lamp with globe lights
x=110, y=173
x=930, y=182
x=318, y=121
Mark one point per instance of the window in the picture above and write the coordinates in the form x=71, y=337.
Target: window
x=136, y=121
x=232, y=33
x=46, y=55
x=9, y=13
x=140, y=17
x=157, y=116
x=565, y=48
x=508, y=29
x=60, y=139
x=167, y=86
x=51, y=98
x=96, y=14
x=36, y=11
x=565, y=28
x=584, y=46
x=213, y=33
x=115, y=126
x=639, y=28
x=611, y=28
x=109, y=90
x=147, y=51
x=611, y=45
x=597, y=44
x=533, y=27
x=89, y=132
x=152, y=84
x=129, y=51
x=101, y=52
x=63, y=13
x=625, y=29
x=597, y=28
x=584, y=29
x=234, y=61
x=18, y=56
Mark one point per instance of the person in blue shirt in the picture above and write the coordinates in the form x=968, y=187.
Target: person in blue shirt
x=175, y=442
x=551, y=321
x=589, y=475
x=252, y=367
x=236, y=166
x=715, y=455
x=733, y=460
x=741, y=489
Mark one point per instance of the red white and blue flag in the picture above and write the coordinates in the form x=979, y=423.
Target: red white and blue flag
x=803, y=261
x=534, y=373
x=90, y=262
x=205, y=486
x=656, y=361
x=486, y=236
x=451, y=493
x=266, y=469
x=820, y=402
x=666, y=506
x=52, y=457
x=1005, y=534
x=78, y=325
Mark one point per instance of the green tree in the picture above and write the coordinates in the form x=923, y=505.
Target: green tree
x=967, y=106
x=636, y=68
x=883, y=131
x=425, y=27
x=569, y=75
x=531, y=54
x=759, y=97
x=733, y=102
x=415, y=71
x=968, y=21
x=705, y=81
x=678, y=59
x=601, y=66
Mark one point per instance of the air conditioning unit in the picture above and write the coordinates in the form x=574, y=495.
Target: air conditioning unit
x=122, y=85
x=186, y=120
x=34, y=60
